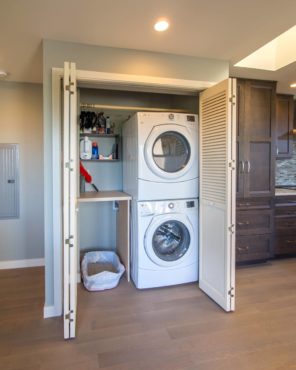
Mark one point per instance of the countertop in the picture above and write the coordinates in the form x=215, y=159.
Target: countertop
x=282, y=192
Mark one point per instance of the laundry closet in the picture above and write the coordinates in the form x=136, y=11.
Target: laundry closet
x=90, y=219
x=97, y=222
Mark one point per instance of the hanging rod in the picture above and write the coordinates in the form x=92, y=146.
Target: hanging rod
x=130, y=108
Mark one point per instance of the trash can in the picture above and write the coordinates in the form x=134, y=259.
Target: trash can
x=101, y=270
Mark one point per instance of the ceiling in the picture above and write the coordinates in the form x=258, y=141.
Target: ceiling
x=228, y=29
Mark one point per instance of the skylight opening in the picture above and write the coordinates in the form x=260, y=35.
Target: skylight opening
x=274, y=55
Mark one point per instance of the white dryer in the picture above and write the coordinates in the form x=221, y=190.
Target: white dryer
x=164, y=243
x=160, y=156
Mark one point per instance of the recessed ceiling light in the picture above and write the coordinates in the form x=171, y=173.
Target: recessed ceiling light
x=293, y=85
x=161, y=25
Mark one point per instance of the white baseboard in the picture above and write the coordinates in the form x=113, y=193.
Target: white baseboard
x=51, y=311
x=16, y=264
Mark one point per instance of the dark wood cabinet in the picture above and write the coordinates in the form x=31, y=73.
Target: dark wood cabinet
x=254, y=229
x=254, y=222
x=285, y=225
x=253, y=248
x=255, y=170
x=284, y=126
x=255, y=138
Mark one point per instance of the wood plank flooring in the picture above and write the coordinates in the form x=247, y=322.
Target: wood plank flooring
x=167, y=329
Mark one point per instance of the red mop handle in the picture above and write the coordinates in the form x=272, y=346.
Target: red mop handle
x=85, y=174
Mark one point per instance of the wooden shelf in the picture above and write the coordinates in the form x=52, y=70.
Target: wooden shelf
x=103, y=196
x=100, y=160
x=130, y=108
x=98, y=135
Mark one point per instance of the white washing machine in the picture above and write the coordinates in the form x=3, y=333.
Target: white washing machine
x=164, y=243
x=160, y=156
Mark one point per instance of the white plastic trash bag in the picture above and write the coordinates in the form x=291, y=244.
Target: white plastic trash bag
x=105, y=279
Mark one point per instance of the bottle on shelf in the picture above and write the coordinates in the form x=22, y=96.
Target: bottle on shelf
x=95, y=150
x=108, y=125
x=85, y=148
x=101, y=123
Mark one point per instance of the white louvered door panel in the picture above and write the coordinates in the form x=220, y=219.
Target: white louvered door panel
x=217, y=193
x=69, y=200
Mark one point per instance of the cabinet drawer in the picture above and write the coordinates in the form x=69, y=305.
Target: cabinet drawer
x=254, y=203
x=285, y=200
x=285, y=244
x=285, y=225
x=254, y=222
x=253, y=248
x=286, y=211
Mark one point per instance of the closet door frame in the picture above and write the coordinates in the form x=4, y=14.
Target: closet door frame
x=84, y=78
x=91, y=78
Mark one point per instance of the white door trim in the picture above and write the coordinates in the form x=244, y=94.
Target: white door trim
x=124, y=81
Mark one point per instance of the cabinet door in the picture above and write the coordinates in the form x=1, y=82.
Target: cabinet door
x=259, y=143
x=254, y=248
x=240, y=135
x=284, y=125
x=217, y=193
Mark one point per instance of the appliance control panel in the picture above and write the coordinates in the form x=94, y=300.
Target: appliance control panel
x=169, y=206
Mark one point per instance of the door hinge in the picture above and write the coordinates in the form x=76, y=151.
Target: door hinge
x=68, y=241
x=231, y=228
x=68, y=165
x=231, y=292
x=232, y=99
x=231, y=164
x=69, y=87
x=68, y=316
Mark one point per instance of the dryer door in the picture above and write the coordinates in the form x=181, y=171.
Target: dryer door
x=169, y=239
x=170, y=151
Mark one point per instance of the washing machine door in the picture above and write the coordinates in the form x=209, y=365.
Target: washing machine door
x=168, y=239
x=170, y=150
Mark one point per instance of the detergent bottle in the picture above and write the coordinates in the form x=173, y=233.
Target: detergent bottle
x=85, y=148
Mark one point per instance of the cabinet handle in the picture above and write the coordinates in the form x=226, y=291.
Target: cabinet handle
x=242, y=163
x=248, y=166
x=243, y=249
x=243, y=223
x=277, y=151
x=291, y=241
x=244, y=204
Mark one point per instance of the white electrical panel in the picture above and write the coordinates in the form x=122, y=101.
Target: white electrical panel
x=9, y=181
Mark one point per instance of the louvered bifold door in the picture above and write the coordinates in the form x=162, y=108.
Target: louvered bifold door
x=70, y=199
x=217, y=193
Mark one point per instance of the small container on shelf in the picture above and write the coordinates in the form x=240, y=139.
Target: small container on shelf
x=108, y=125
x=95, y=150
x=85, y=148
x=101, y=123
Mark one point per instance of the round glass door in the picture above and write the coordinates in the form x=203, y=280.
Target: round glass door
x=171, y=240
x=171, y=152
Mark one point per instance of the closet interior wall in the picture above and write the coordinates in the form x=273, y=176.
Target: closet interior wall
x=97, y=222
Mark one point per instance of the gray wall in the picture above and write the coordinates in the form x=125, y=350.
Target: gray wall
x=21, y=122
x=104, y=59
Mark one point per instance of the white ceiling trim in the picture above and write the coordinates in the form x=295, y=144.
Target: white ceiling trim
x=137, y=82
x=141, y=81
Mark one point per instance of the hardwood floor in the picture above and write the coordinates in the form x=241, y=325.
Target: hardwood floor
x=168, y=329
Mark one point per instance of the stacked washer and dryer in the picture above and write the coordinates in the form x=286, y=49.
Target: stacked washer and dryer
x=160, y=172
